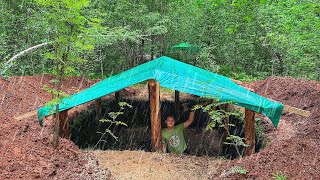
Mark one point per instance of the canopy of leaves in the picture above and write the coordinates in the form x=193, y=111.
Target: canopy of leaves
x=243, y=39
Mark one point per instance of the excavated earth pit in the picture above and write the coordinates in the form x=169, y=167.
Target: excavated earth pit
x=26, y=151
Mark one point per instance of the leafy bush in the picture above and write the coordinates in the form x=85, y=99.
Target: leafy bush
x=234, y=170
x=279, y=176
x=217, y=118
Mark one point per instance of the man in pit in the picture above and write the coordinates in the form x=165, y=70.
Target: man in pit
x=173, y=140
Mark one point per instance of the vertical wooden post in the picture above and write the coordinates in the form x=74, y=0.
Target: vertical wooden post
x=117, y=97
x=154, y=94
x=64, y=124
x=226, y=107
x=249, y=132
x=177, y=104
x=98, y=108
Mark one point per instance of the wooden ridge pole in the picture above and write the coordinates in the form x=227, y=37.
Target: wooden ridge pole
x=154, y=94
x=26, y=115
x=249, y=132
x=295, y=110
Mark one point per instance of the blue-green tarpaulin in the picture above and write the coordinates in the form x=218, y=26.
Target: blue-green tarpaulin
x=176, y=75
x=186, y=47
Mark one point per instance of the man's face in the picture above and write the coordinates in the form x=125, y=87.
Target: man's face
x=170, y=121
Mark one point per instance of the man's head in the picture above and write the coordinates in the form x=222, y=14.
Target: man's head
x=170, y=121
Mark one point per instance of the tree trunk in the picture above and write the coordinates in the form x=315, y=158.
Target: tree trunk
x=141, y=51
x=55, y=140
x=235, y=54
x=101, y=64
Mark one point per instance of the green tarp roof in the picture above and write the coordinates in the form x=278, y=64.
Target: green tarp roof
x=176, y=75
x=186, y=47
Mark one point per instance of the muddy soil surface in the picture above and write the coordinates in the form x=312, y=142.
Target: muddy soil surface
x=294, y=146
x=25, y=147
x=26, y=151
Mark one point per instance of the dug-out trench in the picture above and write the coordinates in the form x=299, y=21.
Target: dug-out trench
x=86, y=129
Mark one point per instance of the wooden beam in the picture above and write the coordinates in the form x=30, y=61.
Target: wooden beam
x=177, y=104
x=64, y=124
x=154, y=94
x=26, y=115
x=249, y=132
x=98, y=108
x=296, y=111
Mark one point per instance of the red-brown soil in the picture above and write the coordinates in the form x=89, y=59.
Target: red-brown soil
x=26, y=151
x=295, y=144
x=25, y=147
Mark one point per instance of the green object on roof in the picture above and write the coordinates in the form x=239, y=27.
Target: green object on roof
x=186, y=47
x=176, y=75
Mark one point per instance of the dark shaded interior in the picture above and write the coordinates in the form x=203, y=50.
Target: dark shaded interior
x=87, y=130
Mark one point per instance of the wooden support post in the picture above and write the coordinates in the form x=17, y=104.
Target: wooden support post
x=98, y=108
x=177, y=104
x=117, y=97
x=249, y=132
x=226, y=107
x=154, y=94
x=64, y=124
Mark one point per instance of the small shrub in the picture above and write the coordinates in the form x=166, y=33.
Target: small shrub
x=234, y=170
x=279, y=176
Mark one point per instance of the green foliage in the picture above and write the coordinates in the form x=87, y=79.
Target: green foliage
x=207, y=60
x=245, y=40
x=113, y=121
x=218, y=117
x=234, y=170
x=235, y=141
x=279, y=176
x=123, y=105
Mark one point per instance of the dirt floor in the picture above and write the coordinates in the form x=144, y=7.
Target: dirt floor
x=26, y=151
x=147, y=165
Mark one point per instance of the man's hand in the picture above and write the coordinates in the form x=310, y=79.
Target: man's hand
x=190, y=120
x=164, y=148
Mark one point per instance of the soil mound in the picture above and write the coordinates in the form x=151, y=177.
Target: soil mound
x=25, y=147
x=294, y=147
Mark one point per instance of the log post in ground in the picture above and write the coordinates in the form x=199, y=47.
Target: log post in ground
x=177, y=104
x=117, y=97
x=249, y=123
x=64, y=124
x=98, y=108
x=154, y=94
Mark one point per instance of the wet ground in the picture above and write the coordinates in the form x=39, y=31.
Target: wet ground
x=26, y=151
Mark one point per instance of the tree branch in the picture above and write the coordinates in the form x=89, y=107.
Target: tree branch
x=23, y=53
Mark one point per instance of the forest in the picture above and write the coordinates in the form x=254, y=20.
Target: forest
x=243, y=39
